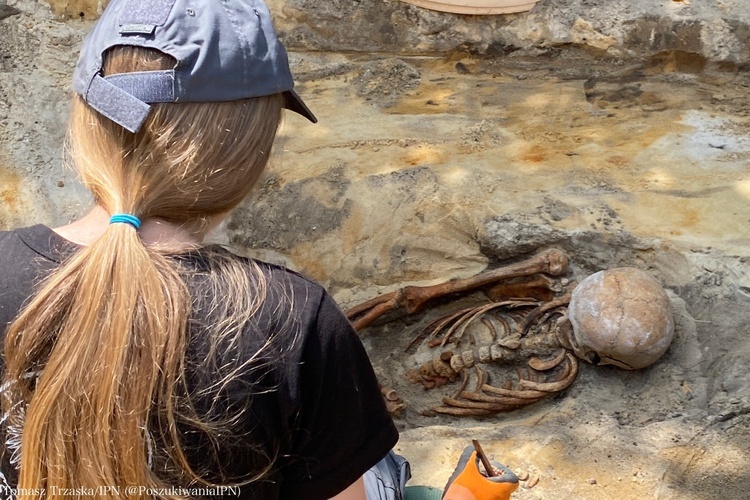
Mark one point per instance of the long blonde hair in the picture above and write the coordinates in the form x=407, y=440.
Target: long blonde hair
x=97, y=357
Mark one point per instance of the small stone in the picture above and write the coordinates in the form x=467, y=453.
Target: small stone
x=522, y=475
x=60, y=184
x=592, y=481
x=7, y=11
x=461, y=69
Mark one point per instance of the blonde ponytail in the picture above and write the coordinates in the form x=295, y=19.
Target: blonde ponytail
x=96, y=359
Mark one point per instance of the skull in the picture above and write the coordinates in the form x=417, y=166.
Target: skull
x=619, y=317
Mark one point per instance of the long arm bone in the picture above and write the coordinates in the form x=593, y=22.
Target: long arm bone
x=412, y=299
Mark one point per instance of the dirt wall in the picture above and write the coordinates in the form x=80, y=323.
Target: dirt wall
x=41, y=39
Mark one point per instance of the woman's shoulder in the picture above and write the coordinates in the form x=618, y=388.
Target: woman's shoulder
x=36, y=240
x=285, y=293
x=275, y=275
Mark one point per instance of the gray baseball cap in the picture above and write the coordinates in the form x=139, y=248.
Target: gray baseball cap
x=225, y=50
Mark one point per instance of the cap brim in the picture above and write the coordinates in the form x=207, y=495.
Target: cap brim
x=293, y=102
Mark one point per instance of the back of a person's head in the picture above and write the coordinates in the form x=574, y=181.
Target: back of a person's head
x=188, y=160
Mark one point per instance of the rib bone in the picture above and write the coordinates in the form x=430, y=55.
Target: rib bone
x=568, y=377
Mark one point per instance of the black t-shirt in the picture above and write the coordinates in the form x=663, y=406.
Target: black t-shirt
x=314, y=402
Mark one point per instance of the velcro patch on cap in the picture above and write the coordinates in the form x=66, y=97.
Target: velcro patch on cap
x=141, y=17
x=137, y=29
x=116, y=104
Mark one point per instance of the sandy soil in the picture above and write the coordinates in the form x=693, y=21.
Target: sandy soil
x=424, y=170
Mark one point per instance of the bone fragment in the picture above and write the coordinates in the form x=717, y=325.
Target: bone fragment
x=484, y=354
x=558, y=386
x=464, y=383
x=468, y=358
x=539, y=287
x=547, y=306
x=443, y=368
x=372, y=310
x=395, y=407
x=523, y=394
x=459, y=327
x=412, y=299
x=462, y=403
x=482, y=378
x=490, y=326
x=502, y=400
x=541, y=365
x=389, y=394
x=462, y=412
x=511, y=341
x=498, y=353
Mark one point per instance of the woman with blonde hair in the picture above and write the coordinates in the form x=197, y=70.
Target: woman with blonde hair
x=139, y=362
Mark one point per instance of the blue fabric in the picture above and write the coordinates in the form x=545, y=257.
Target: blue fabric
x=387, y=479
x=225, y=51
x=147, y=86
x=147, y=12
x=116, y=104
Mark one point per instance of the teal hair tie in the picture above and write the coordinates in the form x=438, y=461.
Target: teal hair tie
x=125, y=219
